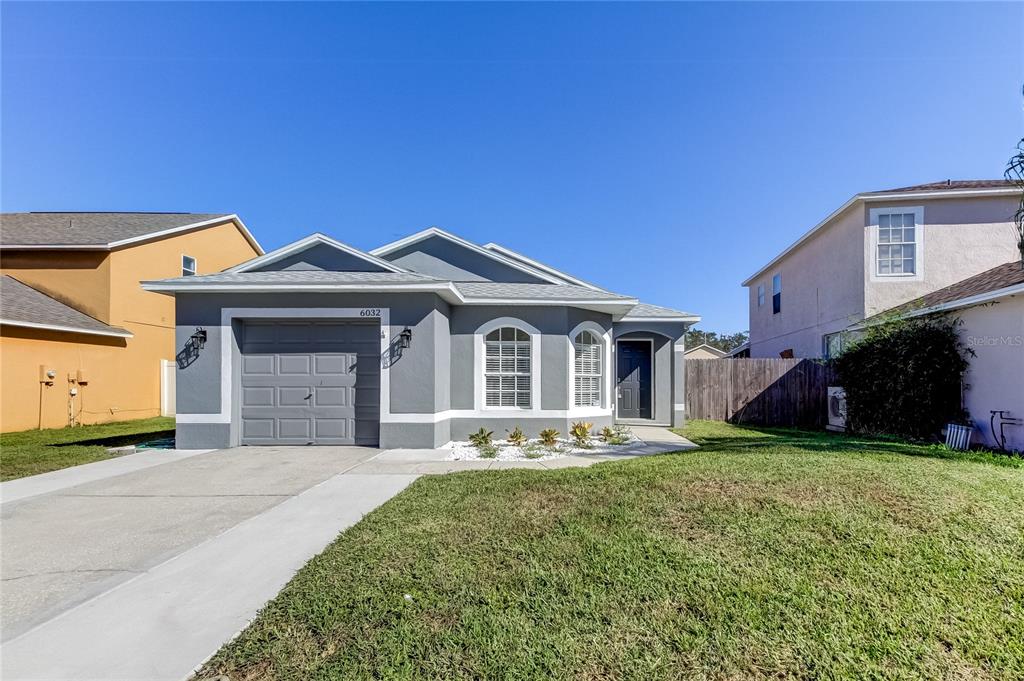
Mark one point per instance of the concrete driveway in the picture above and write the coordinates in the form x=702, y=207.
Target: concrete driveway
x=141, y=567
x=171, y=560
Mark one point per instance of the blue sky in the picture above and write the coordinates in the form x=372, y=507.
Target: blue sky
x=661, y=150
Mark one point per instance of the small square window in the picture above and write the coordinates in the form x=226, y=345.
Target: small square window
x=188, y=266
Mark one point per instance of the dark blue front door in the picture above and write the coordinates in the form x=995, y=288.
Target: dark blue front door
x=634, y=380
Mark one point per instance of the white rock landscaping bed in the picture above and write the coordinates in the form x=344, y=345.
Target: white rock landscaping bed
x=533, y=450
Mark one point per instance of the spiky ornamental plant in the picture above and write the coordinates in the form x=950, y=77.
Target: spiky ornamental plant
x=1015, y=174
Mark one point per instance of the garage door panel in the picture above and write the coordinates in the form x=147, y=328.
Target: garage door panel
x=292, y=396
x=316, y=383
x=334, y=428
x=326, y=396
x=258, y=364
x=294, y=365
x=258, y=428
x=294, y=428
x=258, y=396
x=325, y=364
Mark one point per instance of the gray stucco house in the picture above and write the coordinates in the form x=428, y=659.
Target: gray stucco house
x=414, y=344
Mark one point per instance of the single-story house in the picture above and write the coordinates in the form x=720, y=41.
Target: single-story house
x=414, y=344
x=990, y=307
x=705, y=351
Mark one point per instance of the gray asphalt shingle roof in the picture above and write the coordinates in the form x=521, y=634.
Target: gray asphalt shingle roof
x=503, y=291
x=645, y=310
x=89, y=229
x=22, y=303
x=948, y=185
x=305, y=277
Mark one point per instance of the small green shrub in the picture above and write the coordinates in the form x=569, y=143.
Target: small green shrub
x=619, y=435
x=517, y=437
x=533, y=451
x=549, y=437
x=488, y=451
x=580, y=433
x=904, y=377
x=481, y=438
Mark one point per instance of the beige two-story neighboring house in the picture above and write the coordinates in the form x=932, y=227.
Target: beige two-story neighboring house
x=878, y=250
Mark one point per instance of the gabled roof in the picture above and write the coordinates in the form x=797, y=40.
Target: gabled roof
x=530, y=262
x=310, y=241
x=717, y=352
x=448, y=236
x=1004, y=280
x=934, y=190
x=21, y=305
x=103, y=231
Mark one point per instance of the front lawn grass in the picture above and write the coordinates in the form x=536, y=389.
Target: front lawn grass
x=31, y=452
x=762, y=554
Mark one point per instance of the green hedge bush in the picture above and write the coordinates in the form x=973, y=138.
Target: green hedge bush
x=904, y=377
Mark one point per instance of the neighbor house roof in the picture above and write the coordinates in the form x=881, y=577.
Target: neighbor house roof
x=948, y=185
x=710, y=349
x=933, y=190
x=21, y=305
x=1006, y=279
x=103, y=231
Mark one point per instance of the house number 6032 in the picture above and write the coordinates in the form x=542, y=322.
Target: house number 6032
x=370, y=312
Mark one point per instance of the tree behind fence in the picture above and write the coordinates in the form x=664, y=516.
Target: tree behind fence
x=764, y=392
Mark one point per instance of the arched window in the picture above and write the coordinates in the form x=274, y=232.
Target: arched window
x=507, y=368
x=587, y=369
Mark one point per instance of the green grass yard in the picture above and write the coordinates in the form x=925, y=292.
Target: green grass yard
x=762, y=554
x=39, y=451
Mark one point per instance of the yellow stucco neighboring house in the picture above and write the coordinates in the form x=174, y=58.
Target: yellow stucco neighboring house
x=80, y=341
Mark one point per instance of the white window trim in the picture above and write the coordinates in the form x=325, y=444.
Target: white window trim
x=606, y=382
x=873, y=215
x=479, y=353
x=195, y=265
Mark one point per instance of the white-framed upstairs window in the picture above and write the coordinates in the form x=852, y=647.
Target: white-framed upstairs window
x=760, y=295
x=188, y=266
x=507, y=368
x=897, y=240
x=588, y=369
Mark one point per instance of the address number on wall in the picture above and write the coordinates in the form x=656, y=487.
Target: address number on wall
x=370, y=312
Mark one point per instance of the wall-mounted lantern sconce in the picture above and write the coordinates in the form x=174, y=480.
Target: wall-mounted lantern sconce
x=199, y=337
x=405, y=338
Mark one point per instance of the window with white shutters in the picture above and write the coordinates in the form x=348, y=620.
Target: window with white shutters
x=587, y=370
x=507, y=368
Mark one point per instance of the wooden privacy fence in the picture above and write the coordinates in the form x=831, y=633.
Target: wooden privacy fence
x=764, y=392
